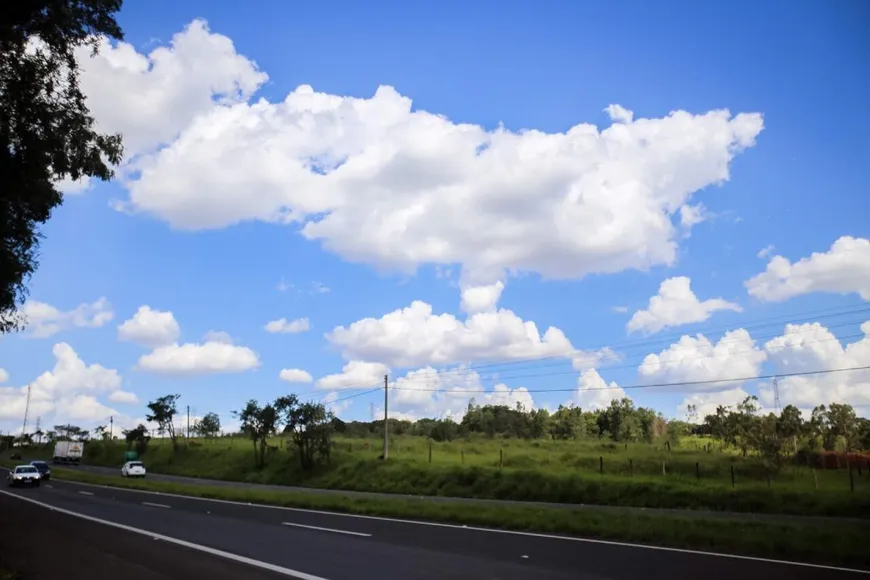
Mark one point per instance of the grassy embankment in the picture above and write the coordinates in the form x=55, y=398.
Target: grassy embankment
x=835, y=543
x=560, y=472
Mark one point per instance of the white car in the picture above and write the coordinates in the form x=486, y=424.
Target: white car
x=23, y=475
x=133, y=469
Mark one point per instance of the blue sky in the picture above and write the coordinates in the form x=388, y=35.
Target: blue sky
x=800, y=185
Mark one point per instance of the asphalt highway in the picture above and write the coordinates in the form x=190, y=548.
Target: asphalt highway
x=323, y=546
x=38, y=544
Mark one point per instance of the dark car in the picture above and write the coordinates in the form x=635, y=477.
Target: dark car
x=23, y=475
x=43, y=469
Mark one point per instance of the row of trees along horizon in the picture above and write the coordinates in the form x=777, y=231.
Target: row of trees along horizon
x=310, y=428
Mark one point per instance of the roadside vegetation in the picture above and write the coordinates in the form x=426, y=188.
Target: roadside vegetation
x=736, y=460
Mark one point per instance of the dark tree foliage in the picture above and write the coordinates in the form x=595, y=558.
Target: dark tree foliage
x=46, y=131
x=258, y=424
x=310, y=426
x=163, y=411
x=621, y=421
x=137, y=438
x=208, y=426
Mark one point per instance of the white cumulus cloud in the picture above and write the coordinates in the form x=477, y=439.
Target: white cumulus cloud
x=68, y=392
x=428, y=392
x=150, y=98
x=295, y=376
x=44, y=320
x=801, y=348
x=697, y=359
x=416, y=337
x=283, y=325
x=193, y=359
x=593, y=392
x=125, y=397
x=812, y=347
x=843, y=269
x=150, y=328
x=675, y=305
x=378, y=182
x=481, y=298
x=356, y=373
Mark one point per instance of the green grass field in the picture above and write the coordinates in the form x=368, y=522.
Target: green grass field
x=564, y=472
x=835, y=543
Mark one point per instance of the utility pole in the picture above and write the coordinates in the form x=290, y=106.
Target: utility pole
x=26, y=410
x=386, y=417
x=111, y=427
x=188, y=421
x=38, y=427
x=776, y=395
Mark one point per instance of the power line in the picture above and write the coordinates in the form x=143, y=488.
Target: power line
x=573, y=372
x=654, y=385
x=658, y=363
x=322, y=395
x=565, y=358
x=465, y=370
x=349, y=397
x=807, y=317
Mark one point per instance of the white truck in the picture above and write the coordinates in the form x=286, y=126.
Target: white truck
x=68, y=452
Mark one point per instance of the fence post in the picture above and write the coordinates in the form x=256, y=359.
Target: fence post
x=697, y=470
x=430, y=453
x=631, y=468
x=732, y=476
x=664, y=469
x=600, y=464
x=500, y=458
x=669, y=446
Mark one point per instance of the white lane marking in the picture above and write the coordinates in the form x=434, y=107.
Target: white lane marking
x=349, y=533
x=85, y=493
x=159, y=505
x=487, y=530
x=212, y=551
x=49, y=486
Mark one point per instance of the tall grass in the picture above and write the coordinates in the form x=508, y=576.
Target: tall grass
x=589, y=472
